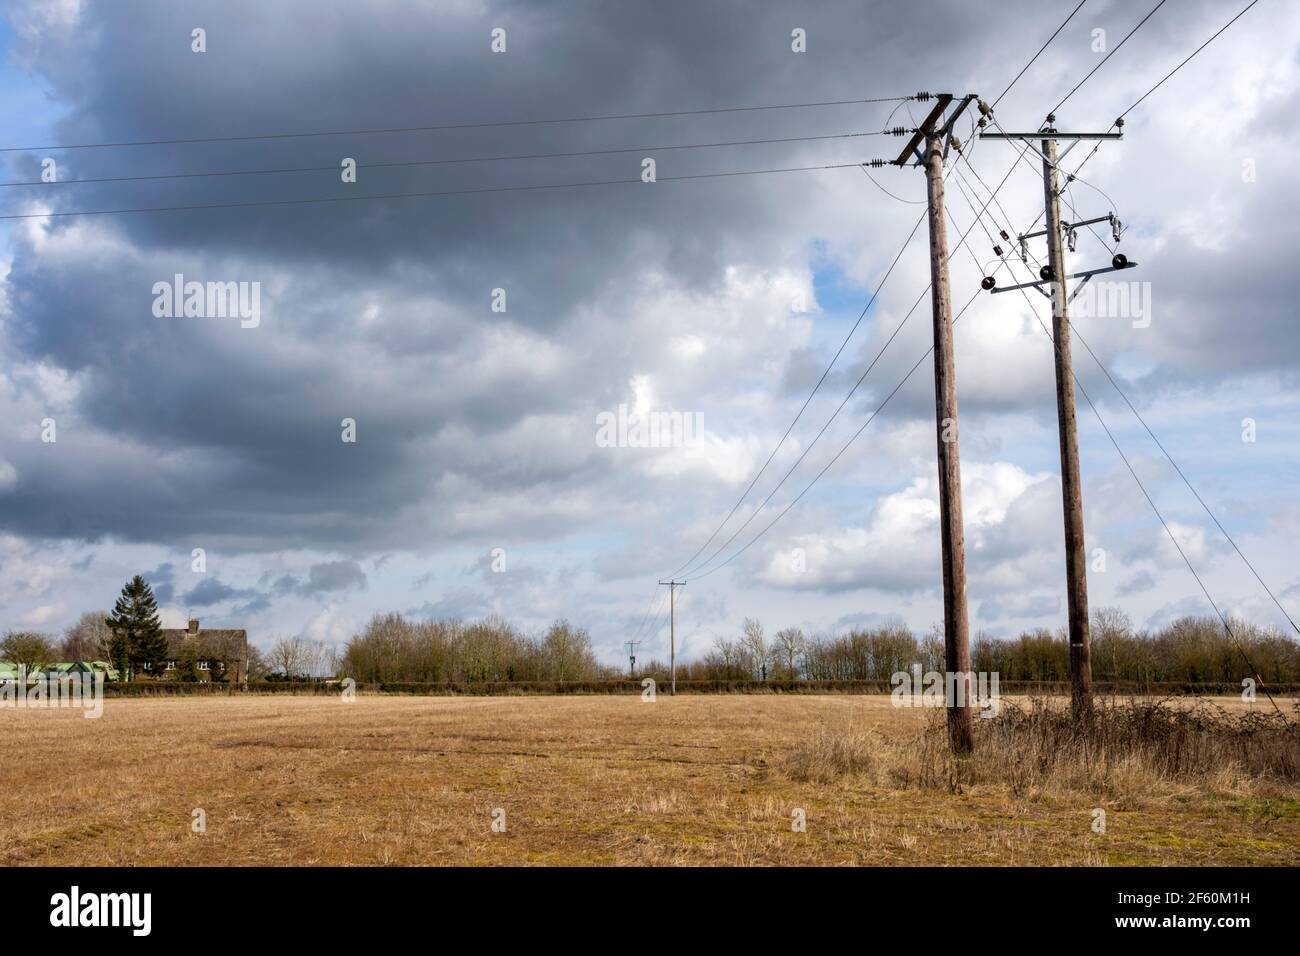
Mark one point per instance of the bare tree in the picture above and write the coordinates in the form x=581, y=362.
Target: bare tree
x=932, y=650
x=298, y=657
x=318, y=659
x=729, y=660
x=566, y=653
x=789, y=645
x=28, y=650
x=88, y=639
x=756, y=644
x=258, y=666
x=291, y=656
x=1111, y=628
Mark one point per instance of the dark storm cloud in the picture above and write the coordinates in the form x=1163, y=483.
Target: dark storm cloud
x=161, y=581
x=868, y=619
x=460, y=604
x=212, y=591
x=1136, y=584
x=1020, y=606
x=186, y=429
x=130, y=73
x=245, y=421
x=324, y=577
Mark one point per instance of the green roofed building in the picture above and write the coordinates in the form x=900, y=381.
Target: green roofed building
x=9, y=671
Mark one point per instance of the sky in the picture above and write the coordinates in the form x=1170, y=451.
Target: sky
x=209, y=454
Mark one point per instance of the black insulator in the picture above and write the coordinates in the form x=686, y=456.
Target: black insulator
x=988, y=282
x=1045, y=273
x=1120, y=261
x=997, y=250
x=1003, y=234
x=923, y=96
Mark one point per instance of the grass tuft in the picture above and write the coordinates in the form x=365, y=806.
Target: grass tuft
x=1131, y=748
x=828, y=756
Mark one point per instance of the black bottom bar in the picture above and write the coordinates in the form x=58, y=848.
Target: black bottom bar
x=909, y=906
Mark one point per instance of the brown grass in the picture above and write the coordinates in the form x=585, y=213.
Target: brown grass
x=613, y=780
x=1132, y=747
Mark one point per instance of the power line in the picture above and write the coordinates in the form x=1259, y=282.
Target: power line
x=443, y=162
x=835, y=414
x=838, y=454
x=416, y=195
x=804, y=407
x=1189, y=56
x=646, y=616
x=1174, y=540
x=910, y=202
x=656, y=603
x=1038, y=54
x=1109, y=55
x=1150, y=501
x=449, y=126
x=1186, y=481
x=827, y=424
x=824, y=374
x=961, y=182
x=660, y=616
x=1116, y=385
x=816, y=388
x=1067, y=198
x=997, y=202
x=1119, y=119
x=809, y=399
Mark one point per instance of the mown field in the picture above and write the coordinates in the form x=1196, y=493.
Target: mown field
x=589, y=780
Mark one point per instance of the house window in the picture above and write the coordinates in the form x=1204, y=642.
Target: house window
x=148, y=666
x=171, y=665
x=203, y=665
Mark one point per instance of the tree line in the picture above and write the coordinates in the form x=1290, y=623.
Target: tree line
x=1188, y=650
x=393, y=649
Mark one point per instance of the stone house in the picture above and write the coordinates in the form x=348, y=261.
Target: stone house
x=217, y=652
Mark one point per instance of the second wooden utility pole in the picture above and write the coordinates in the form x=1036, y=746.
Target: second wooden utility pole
x=672, y=632
x=937, y=136
x=1076, y=568
x=1056, y=280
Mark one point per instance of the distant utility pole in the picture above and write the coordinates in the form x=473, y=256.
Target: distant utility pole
x=936, y=132
x=672, y=631
x=631, y=656
x=1054, y=276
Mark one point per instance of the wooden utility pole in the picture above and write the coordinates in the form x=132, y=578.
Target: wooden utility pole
x=1076, y=555
x=1054, y=276
x=672, y=632
x=631, y=656
x=937, y=136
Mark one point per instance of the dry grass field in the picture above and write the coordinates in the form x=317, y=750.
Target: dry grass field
x=585, y=780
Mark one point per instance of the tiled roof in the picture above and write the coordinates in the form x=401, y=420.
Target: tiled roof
x=213, y=643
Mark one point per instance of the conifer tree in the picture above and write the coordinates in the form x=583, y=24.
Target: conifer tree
x=137, y=631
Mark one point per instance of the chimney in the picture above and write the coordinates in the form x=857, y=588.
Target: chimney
x=194, y=625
